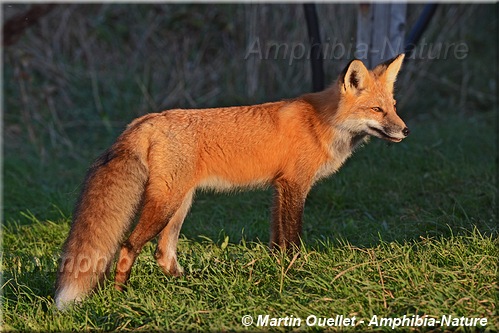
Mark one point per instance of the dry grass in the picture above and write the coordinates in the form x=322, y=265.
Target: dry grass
x=133, y=59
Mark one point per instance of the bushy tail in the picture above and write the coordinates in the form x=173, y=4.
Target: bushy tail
x=110, y=197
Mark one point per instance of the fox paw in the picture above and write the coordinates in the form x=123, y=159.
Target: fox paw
x=169, y=266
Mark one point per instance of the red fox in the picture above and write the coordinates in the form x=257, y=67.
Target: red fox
x=161, y=159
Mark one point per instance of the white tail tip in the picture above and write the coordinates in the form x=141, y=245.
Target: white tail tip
x=67, y=296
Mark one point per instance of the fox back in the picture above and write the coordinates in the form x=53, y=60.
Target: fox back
x=161, y=159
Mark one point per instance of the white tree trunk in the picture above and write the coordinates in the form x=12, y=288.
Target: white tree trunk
x=380, y=32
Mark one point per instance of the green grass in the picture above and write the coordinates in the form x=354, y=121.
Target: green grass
x=435, y=276
x=401, y=230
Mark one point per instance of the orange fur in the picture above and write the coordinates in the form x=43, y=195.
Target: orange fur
x=160, y=160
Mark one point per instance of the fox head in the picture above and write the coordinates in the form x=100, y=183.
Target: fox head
x=366, y=103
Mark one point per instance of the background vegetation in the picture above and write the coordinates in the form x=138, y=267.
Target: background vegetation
x=405, y=229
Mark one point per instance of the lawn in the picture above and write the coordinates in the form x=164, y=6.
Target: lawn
x=402, y=230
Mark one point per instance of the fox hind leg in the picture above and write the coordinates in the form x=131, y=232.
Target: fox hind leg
x=160, y=206
x=166, y=251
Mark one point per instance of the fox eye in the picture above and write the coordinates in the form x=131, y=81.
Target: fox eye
x=377, y=109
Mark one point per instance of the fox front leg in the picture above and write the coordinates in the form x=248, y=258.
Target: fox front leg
x=287, y=219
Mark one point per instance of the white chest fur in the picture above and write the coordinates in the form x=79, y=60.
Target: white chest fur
x=340, y=150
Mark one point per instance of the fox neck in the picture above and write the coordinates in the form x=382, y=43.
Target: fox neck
x=326, y=104
x=340, y=143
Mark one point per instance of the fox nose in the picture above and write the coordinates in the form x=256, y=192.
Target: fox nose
x=406, y=131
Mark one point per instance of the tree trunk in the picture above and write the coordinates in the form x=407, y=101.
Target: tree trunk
x=380, y=32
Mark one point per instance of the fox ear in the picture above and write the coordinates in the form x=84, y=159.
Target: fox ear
x=389, y=70
x=354, y=77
